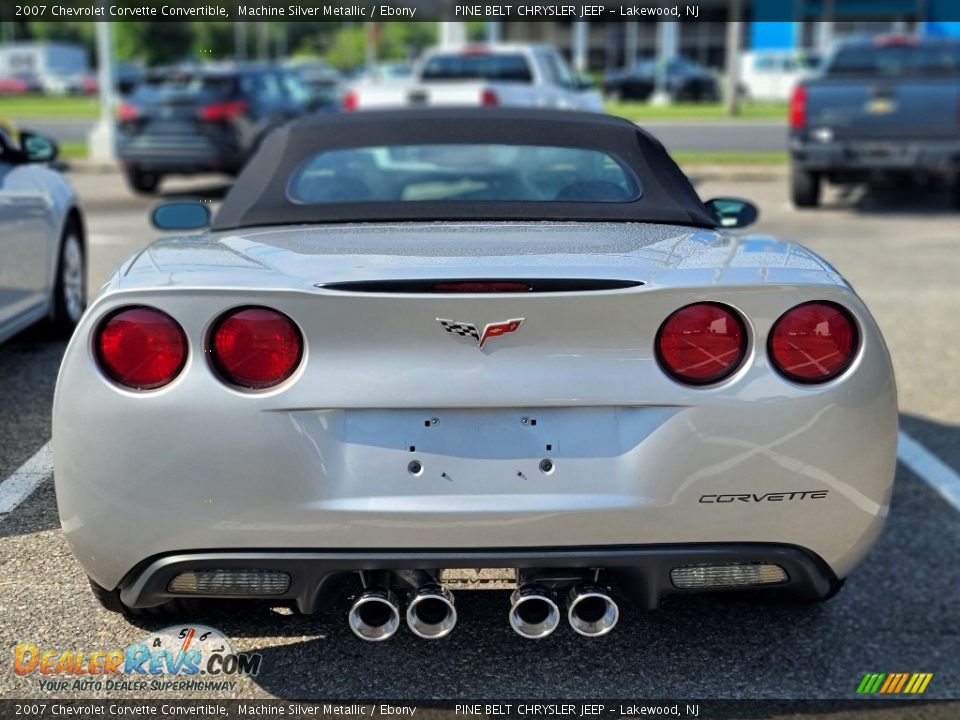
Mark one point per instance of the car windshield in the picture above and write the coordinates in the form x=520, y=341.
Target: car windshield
x=463, y=173
x=896, y=60
x=502, y=67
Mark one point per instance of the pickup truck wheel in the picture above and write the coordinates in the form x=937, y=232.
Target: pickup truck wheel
x=142, y=181
x=804, y=188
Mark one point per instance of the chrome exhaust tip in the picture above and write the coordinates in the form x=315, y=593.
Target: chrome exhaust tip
x=591, y=611
x=431, y=613
x=533, y=613
x=375, y=615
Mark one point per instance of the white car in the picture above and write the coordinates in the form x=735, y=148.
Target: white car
x=533, y=76
x=42, y=245
x=423, y=351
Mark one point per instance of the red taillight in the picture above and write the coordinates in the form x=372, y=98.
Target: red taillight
x=127, y=112
x=141, y=348
x=351, y=101
x=798, y=107
x=481, y=286
x=224, y=110
x=488, y=98
x=814, y=342
x=702, y=343
x=255, y=347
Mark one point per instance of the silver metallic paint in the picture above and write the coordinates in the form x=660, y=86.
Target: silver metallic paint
x=322, y=461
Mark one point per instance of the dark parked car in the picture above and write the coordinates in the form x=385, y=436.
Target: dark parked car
x=881, y=108
x=203, y=120
x=683, y=80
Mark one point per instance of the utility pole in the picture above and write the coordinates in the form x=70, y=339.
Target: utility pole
x=370, y=46
x=493, y=32
x=239, y=41
x=731, y=94
x=632, y=43
x=103, y=136
x=263, y=41
x=581, y=38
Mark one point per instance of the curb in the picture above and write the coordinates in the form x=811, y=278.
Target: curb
x=84, y=166
x=756, y=173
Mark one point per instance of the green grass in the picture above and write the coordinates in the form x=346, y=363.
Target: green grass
x=49, y=108
x=729, y=157
x=73, y=150
x=640, y=111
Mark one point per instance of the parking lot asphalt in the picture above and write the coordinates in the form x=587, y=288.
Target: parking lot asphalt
x=899, y=611
x=738, y=135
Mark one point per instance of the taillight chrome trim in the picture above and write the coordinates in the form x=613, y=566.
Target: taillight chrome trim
x=224, y=376
x=742, y=357
x=104, y=368
x=842, y=369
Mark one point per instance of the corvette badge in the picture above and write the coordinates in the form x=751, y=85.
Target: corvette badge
x=491, y=330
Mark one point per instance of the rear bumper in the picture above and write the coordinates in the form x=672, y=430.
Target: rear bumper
x=180, y=155
x=942, y=157
x=638, y=573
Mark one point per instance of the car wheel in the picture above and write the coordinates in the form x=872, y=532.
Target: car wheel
x=143, y=181
x=955, y=192
x=110, y=600
x=70, y=284
x=804, y=187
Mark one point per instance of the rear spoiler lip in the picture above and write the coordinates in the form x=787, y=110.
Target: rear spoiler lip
x=428, y=286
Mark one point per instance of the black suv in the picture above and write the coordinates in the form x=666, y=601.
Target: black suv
x=208, y=119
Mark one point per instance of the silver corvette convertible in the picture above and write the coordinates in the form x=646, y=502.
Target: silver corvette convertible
x=429, y=351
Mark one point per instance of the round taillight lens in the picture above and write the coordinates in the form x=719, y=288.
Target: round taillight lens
x=702, y=343
x=256, y=347
x=814, y=342
x=141, y=348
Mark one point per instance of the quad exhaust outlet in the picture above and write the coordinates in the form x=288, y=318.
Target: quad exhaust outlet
x=533, y=613
x=431, y=613
x=591, y=611
x=375, y=616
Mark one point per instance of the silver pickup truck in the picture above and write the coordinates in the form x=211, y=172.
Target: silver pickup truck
x=483, y=76
x=880, y=107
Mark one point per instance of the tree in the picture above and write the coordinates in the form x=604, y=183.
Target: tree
x=153, y=43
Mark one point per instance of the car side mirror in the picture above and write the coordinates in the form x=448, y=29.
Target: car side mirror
x=732, y=212
x=38, y=148
x=180, y=215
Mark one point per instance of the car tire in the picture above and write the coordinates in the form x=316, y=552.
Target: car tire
x=110, y=600
x=804, y=188
x=143, y=181
x=955, y=192
x=70, y=282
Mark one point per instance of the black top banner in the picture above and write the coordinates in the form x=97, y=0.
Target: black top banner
x=467, y=10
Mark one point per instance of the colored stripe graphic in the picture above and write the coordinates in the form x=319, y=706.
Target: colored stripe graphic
x=894, y=683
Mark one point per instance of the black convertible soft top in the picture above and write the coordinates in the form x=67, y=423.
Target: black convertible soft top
x=259, y=196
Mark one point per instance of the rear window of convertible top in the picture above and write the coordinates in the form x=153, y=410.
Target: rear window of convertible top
x=463, y=173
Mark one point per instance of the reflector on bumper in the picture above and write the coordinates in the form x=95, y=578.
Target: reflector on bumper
x=230, y=582
x=730, y=575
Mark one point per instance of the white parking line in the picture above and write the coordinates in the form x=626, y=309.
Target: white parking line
x=931, y=469
x=934, y=471
x=17, y=488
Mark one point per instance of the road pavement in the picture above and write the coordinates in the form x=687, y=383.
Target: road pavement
x=899, y=611
x=740, y=135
